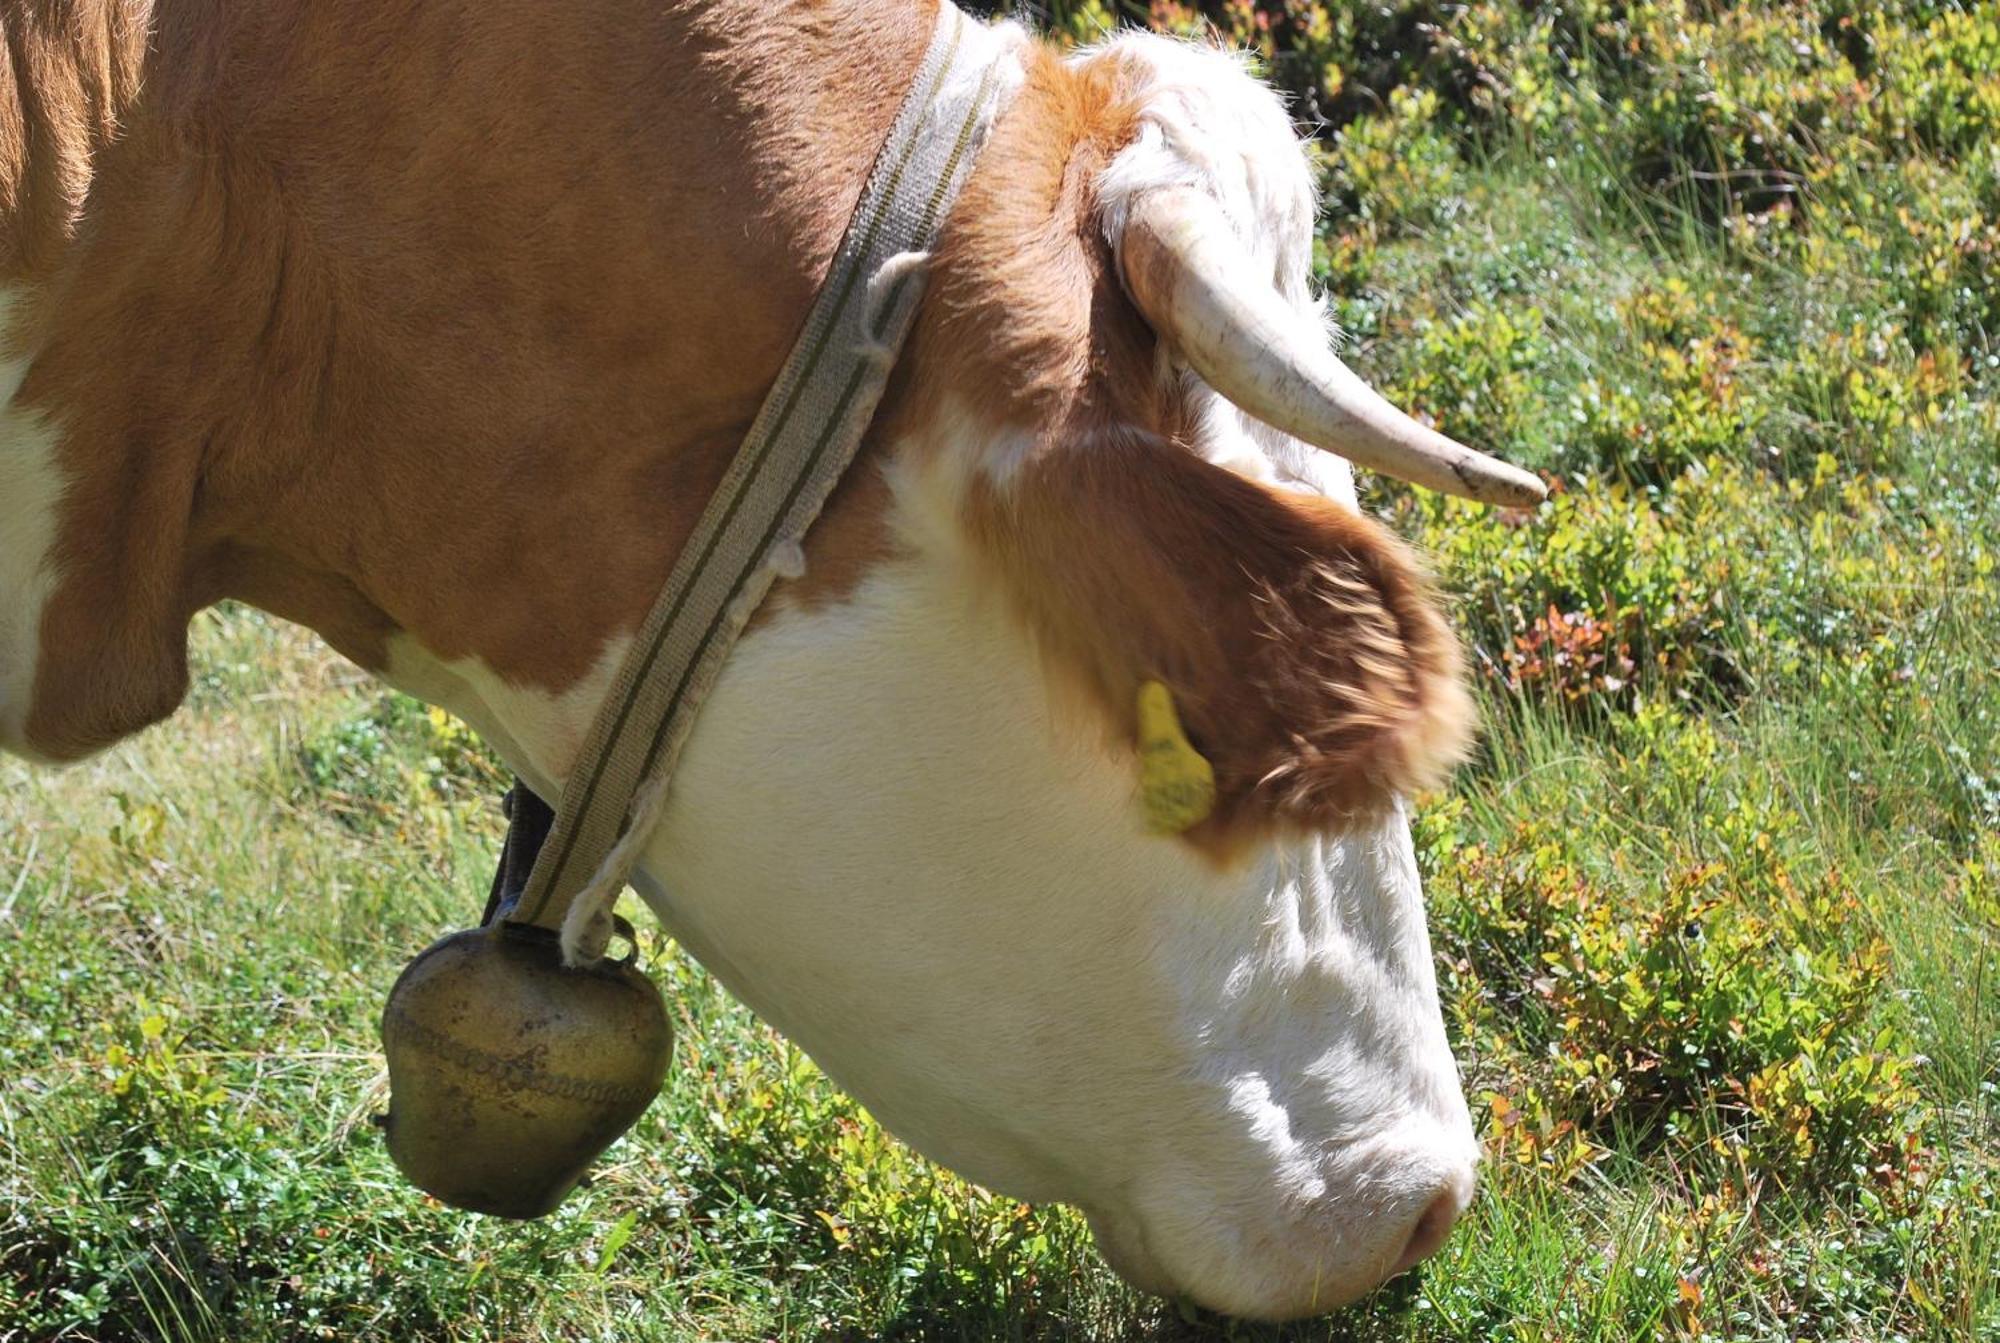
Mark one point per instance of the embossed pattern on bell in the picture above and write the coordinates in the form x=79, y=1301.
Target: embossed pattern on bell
x=509, y=1073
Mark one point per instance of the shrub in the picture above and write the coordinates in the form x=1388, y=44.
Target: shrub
x=1862, y=390
x=1725, y=1012
x=1397, y=170
x=1603, y=594
x=1722, y=579
x=1476, y=374
x=1940, y=81
x=1684, y=403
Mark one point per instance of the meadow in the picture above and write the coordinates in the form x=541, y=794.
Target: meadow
x=1717, y=905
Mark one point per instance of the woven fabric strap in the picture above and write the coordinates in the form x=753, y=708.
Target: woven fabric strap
x=804, y=435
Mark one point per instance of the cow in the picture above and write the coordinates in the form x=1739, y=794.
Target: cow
x=431, y=326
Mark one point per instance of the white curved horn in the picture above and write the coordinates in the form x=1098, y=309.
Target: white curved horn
x=1186, y=272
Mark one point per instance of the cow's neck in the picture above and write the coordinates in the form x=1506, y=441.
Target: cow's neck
x=430, y=333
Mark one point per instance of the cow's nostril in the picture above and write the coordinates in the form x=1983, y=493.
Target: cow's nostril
x=1432, y=1227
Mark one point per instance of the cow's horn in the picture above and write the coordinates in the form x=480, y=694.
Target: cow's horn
x=1186, y=272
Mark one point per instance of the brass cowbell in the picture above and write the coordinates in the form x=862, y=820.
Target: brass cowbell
x=509, y=1072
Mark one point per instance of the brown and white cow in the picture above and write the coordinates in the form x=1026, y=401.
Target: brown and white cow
x=432, y=325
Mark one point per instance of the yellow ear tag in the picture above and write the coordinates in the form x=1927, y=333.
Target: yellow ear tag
x=1176, y=785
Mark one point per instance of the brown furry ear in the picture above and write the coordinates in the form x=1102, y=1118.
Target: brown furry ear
x=1303, y=648
x=1301, y=642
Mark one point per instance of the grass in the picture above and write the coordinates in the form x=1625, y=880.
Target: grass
x=1717, y=908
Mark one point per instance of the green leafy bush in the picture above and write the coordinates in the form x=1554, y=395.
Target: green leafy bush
x=1396, y=171
x=1724, y=1010
x=1610, y=594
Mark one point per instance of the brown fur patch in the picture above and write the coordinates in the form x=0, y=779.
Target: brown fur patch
x=1303, y=646
x=438, y=317
x=68, y=68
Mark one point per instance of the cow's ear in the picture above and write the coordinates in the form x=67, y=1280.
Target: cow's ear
x=1302, y=644
x=1299, y=641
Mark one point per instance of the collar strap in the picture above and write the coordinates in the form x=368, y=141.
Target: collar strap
x=804, y=436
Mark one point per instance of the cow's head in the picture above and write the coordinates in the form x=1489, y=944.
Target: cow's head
x=907, y=827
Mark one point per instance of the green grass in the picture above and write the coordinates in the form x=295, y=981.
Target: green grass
x=1717, y=908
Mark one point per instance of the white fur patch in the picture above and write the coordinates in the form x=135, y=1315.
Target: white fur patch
x=1207, y=124
x=538, y=733
x=889, y=839
x=30, y=492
